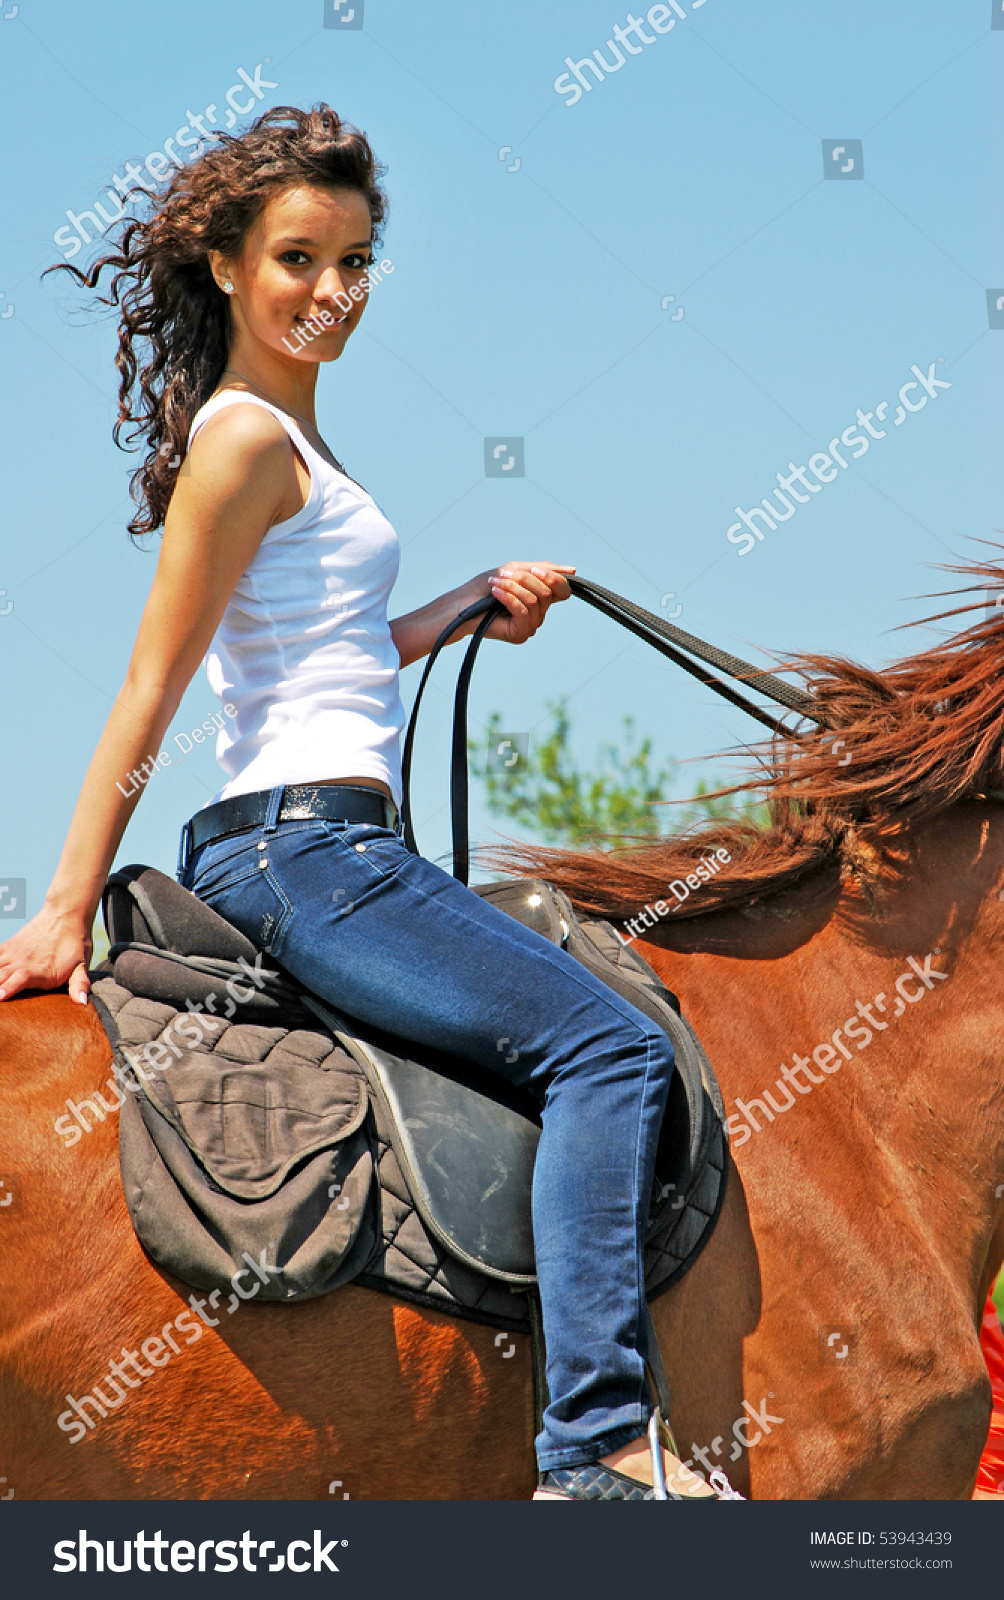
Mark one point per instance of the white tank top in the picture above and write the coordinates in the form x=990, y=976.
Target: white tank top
x=303, y=655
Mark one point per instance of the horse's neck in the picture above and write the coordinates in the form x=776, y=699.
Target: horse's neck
x=898, y=1018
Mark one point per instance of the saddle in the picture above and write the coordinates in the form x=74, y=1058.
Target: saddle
x=274, y=1148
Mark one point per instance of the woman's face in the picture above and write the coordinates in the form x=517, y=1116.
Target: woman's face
x=303, y=254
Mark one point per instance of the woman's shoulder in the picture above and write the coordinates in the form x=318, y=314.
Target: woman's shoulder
x=235, y=414
x=239, y=447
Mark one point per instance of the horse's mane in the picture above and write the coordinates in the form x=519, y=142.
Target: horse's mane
x=899, y=745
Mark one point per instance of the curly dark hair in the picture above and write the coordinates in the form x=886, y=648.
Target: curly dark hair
x=170, y=304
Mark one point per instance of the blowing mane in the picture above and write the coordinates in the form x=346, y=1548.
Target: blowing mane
x=899, y=745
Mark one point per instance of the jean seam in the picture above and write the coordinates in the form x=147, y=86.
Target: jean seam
x=377, y=873
x=641, y=1301
x=236, y=849
x=286, y=915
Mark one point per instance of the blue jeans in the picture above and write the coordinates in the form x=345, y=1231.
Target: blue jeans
x=391, y=939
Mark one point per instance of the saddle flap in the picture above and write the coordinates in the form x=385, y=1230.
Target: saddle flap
x=466, y=1156
x=294, y=1243
x=250, y=1123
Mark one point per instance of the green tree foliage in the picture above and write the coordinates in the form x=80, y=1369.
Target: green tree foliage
x=549, y=793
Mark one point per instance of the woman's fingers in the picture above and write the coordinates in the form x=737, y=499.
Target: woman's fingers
x=11, y=982
x=515, y=627
x=521, y=602
x=18, y=978
x=556, y=581
x=79, y=985
x=511, y=590
x=547, y=583
x=554, y=578
x=14, y=974
x=526, y=589
x=544, y=585
x=45, y=954
x=526, y=609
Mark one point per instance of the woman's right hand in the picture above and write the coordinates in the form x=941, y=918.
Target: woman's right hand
x=52, y=949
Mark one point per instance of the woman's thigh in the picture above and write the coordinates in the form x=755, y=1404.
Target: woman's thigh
x=394, y=941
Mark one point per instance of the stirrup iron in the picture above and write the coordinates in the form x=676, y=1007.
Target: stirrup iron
x=655, y=1423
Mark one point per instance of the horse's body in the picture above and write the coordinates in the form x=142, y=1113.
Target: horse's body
x=866, y=1209
x=825, y=1343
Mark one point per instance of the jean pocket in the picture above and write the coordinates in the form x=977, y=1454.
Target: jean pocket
x=222, y=863
x=242, y=889
x=380, y=850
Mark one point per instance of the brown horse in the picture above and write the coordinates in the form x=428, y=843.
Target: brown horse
x=841, y=966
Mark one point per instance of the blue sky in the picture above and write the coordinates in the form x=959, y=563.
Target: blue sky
x=534, y=242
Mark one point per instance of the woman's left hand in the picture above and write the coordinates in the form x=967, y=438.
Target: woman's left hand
x=526, y=589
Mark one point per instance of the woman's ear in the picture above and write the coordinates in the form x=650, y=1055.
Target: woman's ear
x=220, y=269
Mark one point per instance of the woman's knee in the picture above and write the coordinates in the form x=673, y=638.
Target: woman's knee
x=661, y=1056
x=640, y=1040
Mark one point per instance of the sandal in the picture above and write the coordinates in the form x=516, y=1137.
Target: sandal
x=592, y=1481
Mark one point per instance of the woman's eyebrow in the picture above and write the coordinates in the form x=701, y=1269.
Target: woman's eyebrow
x=362, y=244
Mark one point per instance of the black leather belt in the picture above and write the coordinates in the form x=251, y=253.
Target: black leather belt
x=338, y=802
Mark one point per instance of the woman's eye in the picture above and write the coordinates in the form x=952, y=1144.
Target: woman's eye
x=359, y=262
x=287, y=256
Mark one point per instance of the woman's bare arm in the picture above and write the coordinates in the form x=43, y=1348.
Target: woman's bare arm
x=525, y=588
x=237, y=481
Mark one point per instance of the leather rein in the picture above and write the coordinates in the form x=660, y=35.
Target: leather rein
x=670, y=641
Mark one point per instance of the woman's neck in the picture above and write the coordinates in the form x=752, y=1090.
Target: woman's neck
x=291, y=385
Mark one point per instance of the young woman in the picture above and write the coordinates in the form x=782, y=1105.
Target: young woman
x=276, y=567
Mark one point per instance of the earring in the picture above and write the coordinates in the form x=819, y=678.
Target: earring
x=228, y=287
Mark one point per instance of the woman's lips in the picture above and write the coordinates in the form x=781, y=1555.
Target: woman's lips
x=316, y=318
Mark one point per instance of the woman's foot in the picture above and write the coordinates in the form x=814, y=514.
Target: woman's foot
x=634, y=1460
x=641, y=1470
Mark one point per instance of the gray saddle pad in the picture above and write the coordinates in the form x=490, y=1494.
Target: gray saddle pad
x=271, y=1147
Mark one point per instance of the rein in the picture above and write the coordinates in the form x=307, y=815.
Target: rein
x=671, y=642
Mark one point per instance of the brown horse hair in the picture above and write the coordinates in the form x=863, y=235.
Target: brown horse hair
x=898, y=745
x=175, y=324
